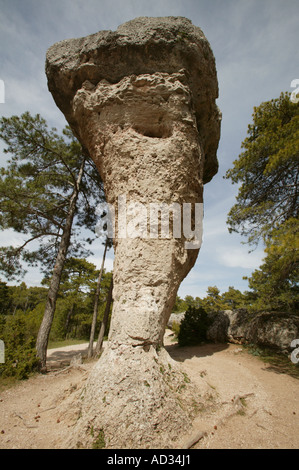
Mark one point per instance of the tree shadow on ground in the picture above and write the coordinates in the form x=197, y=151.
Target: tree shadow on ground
x=180, y=354
x=64, y=356
x=274, y=361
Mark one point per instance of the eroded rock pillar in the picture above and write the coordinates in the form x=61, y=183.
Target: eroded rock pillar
x=142, y=103
x=143, y=136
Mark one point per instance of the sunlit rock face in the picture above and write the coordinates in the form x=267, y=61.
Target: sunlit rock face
x=141, y=100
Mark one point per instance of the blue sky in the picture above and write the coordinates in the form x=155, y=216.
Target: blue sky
x=255, y=43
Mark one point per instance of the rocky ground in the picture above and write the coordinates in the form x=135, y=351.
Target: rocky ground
x=255, y=406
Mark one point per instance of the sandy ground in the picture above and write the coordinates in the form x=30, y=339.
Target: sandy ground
x=257, y=408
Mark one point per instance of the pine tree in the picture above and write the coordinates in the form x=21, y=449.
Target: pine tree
x=268, y=200
x=47, y=190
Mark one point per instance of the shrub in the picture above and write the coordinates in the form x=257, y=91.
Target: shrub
x=193, y=329
x=176, y=328
x=20, y=354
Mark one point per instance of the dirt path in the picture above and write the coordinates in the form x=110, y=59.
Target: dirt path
x=259, y=408
x=255, y=406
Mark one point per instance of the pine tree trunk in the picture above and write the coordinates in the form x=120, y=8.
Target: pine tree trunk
x=96, y=303
x=45, y=327
x=105, y=321
x=68, y=319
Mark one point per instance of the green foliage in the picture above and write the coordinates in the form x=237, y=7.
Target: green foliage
x=19, y=324
x=213, y=302
x=275, y=283
x=19, y=339
x=181, y=305
x=176, y=328
x=75, y=301
x=36, y=188
x=18, y=329
x=99, y=440
x=194, y=327
x=267, y=171
x=268, y=201
x=25, y=299
x=5, y=298
x=235, y=299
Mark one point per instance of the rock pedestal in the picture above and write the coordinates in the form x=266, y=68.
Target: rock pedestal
x=141, y=101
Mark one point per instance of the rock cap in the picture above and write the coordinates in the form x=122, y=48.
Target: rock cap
x=142, y=45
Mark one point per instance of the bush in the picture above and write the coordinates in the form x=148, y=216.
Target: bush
x=193, y=329
x=20, y=353
x=176, y=328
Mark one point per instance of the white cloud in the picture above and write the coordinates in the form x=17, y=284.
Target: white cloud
x=238, y=257
x=11, y=238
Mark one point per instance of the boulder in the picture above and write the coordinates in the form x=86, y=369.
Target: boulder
x=177, y=318
x=269, y=329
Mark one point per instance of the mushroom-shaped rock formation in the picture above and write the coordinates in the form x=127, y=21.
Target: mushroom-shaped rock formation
x=141, y=100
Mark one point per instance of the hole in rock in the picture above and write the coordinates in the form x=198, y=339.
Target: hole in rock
x=154, y=131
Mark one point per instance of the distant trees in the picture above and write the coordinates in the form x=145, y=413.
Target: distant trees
x=181, y=305
x=214, y=302
x=24, y=310
x=74, y=300
x=47, y=189
x=267, y=171
x=5, y=300
x=108, y=244
x=268, y=200
x=275, y=283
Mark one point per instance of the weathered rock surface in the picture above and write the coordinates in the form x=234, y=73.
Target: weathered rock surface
x=141, y=101
x=177, y=318
x=269, y=329
x=141, y=46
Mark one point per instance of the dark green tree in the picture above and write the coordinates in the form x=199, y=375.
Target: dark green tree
x=234, y=299
x=180, y=305
x=5, y=298
x=267, y=171
x=213, y=302
x=275, y=283
x=268, y=200
x=20, y=354
x=193, y=328
x=24, y=299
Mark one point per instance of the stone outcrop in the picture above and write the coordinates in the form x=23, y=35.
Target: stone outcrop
x=175, y=318
x=141, y=46
x=269, y=329
x=141, y=101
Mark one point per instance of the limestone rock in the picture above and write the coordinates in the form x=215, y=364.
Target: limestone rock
x=177, y=318
x=141, y=46
x=268, y=329
x=141, y=100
